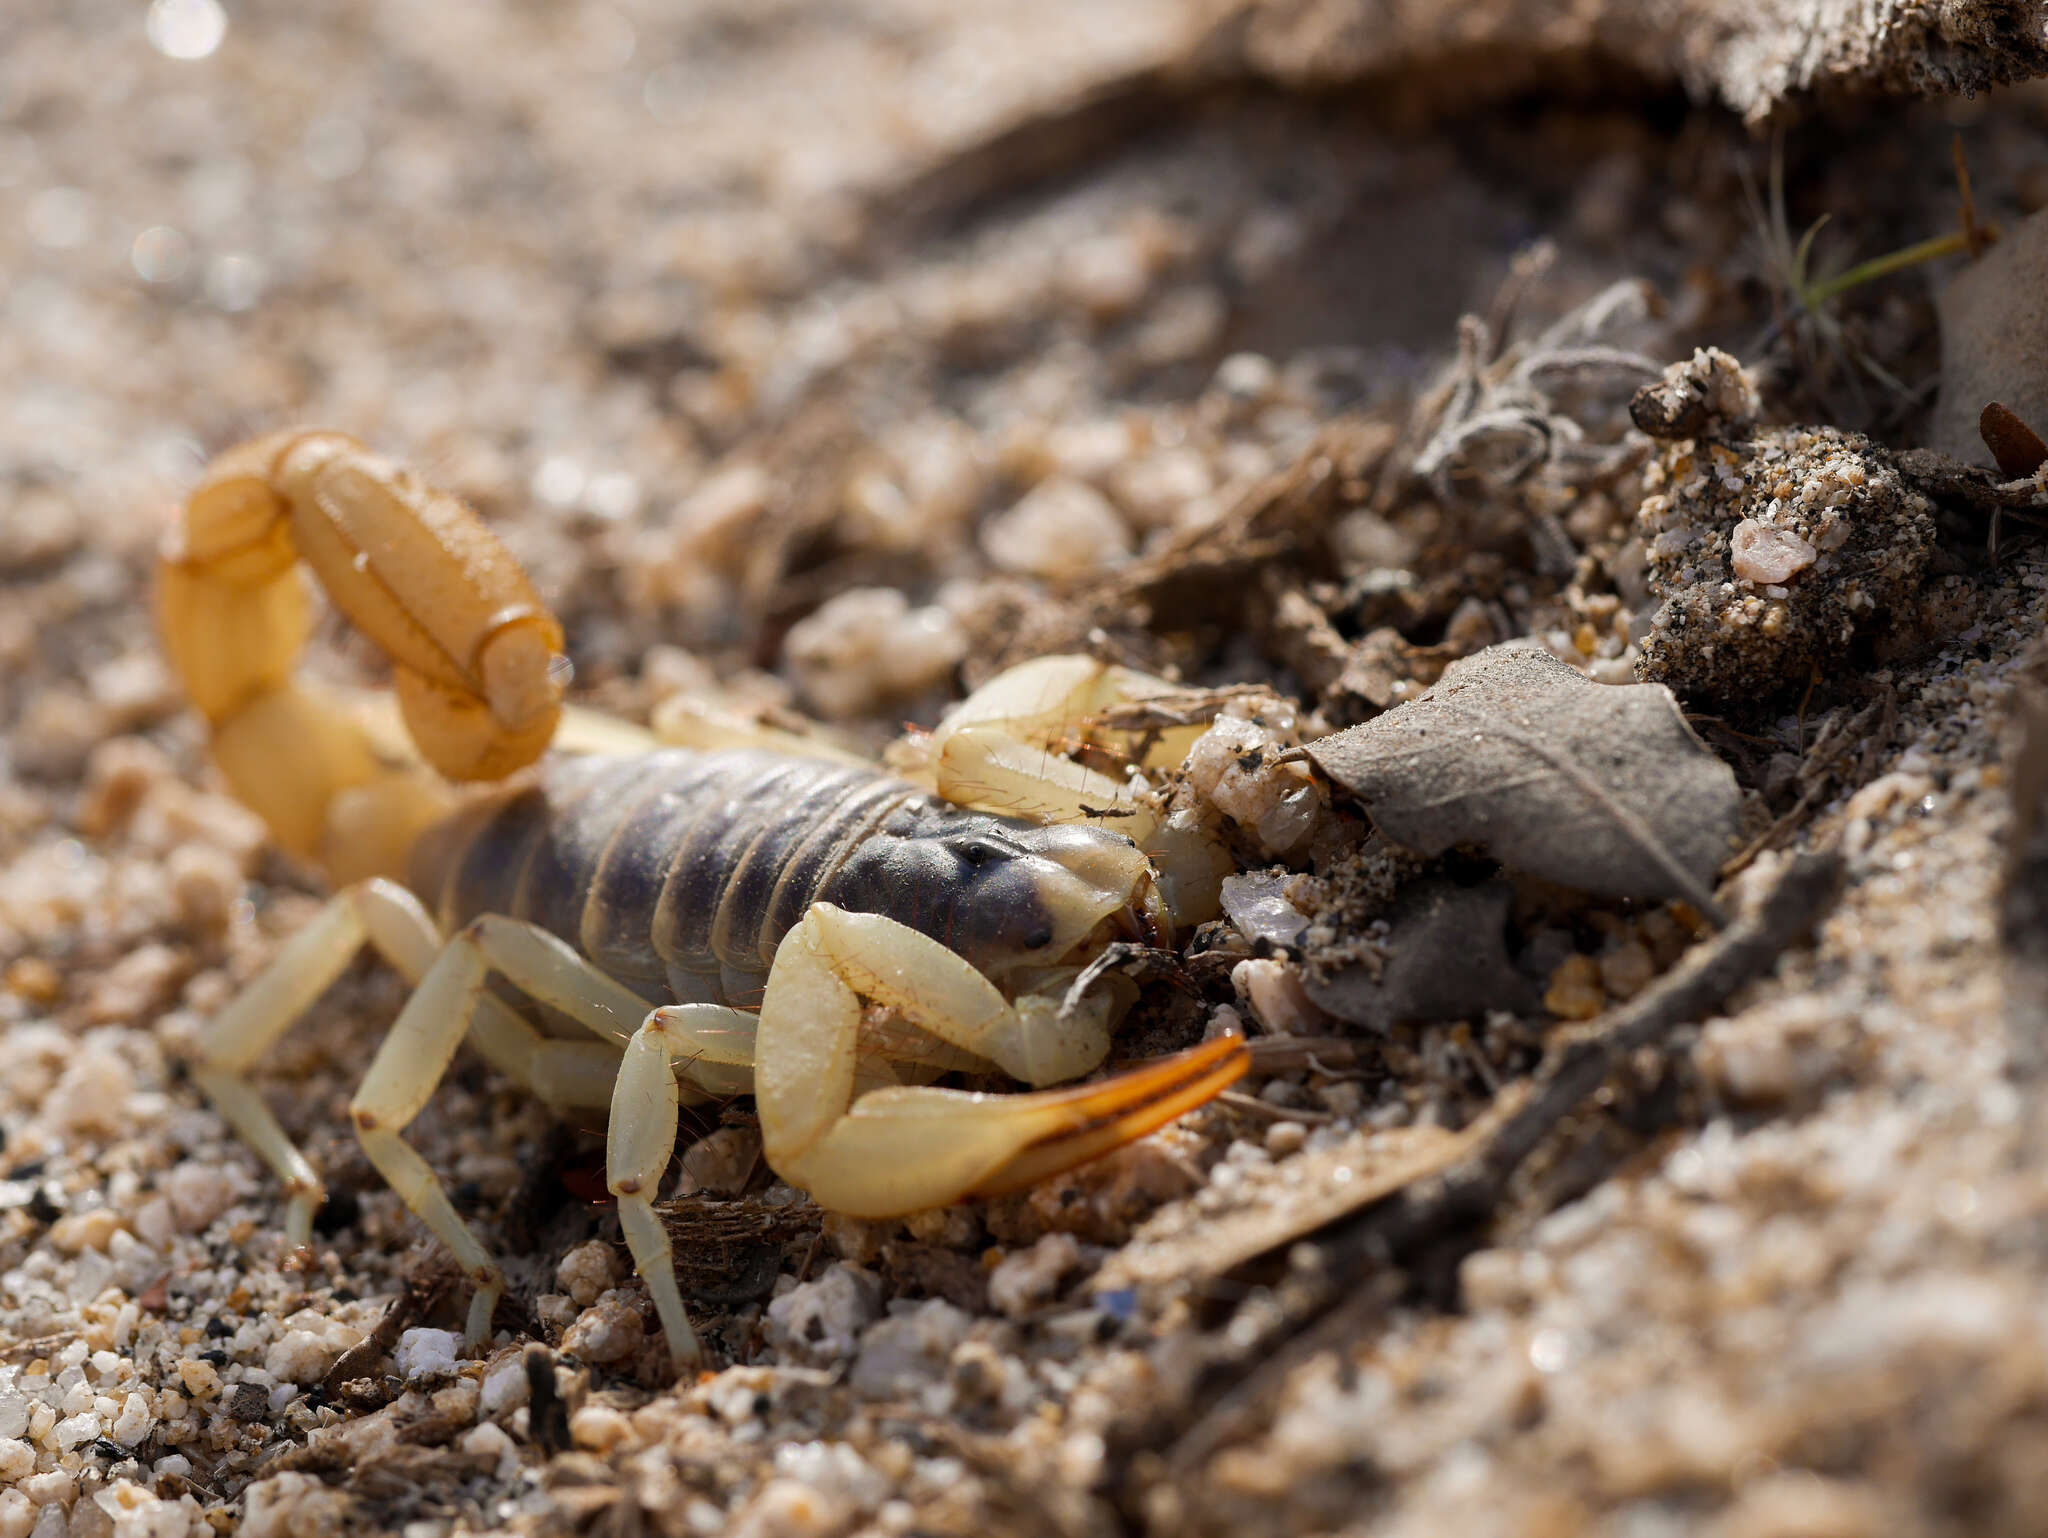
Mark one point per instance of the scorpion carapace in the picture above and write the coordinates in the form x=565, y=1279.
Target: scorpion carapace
x=650, y=903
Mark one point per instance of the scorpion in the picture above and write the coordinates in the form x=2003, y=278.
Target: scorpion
x=674, y=923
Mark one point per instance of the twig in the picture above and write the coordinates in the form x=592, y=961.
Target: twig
x=1332, y=1301
x=547, y=1417
x=1291, y=1054
x=1258, y=1107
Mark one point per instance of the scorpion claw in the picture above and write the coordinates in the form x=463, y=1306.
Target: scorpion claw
x=1089, y=1120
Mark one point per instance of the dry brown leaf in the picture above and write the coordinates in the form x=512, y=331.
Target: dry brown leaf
x=1594, y=786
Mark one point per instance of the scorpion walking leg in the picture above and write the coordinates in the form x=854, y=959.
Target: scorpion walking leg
x=379, y=911
x=391, y=920
x=449, y=1002
x=902, y=1149
x=642, y=1137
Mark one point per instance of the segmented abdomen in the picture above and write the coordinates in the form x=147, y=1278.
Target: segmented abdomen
x=676, y=872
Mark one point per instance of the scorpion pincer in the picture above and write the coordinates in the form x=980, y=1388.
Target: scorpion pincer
x=690, y=924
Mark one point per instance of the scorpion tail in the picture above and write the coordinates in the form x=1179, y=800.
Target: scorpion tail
x=473, y=648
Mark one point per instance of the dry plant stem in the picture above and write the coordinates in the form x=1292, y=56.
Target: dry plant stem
x=1979, y=234
x=1314, y=1054
x=1253, y=1106
x=359, y=1359
x=1352, y=1282
x=547, y=1415
x=1953, y=242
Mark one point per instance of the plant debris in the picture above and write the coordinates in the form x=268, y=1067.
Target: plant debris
x=1146, y=379
x=1601, y=788
x=1499, y=418
x=1453, y=1186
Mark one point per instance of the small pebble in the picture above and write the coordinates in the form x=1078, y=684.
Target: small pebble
x=787, y=1508
x=900, y=1354
x=1765, y=555
x=490, y=1441
x=300, y=1356
x=610, y=1330
x=424, y=1353
x=821, y=1321
x=1061, y=528
x=199, y=1193
x=504, y=1388
x=1026, y=1281
x=1285, y=1137
x=588, y=1271
x=869, y=645
x=81, y=1231
x=1575, y=992
x=599, y=1428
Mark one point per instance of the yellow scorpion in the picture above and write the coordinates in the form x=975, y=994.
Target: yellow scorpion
x=698, y=921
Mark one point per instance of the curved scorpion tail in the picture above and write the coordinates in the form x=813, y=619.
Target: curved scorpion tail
x=474, y=651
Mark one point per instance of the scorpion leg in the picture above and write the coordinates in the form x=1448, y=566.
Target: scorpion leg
x=390, y=919
x=449, y=1003
x=642, y=1137
x=1002, y=749
x=903, y=1149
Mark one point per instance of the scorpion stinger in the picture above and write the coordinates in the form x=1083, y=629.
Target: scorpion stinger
x=696, y=924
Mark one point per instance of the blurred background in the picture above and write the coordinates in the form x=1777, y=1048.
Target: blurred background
x=724, y=308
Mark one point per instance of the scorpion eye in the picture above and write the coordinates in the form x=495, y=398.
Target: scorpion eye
x=979, y=851
x=1038, y=939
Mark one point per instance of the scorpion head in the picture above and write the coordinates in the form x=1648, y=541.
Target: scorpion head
x=1011, y=897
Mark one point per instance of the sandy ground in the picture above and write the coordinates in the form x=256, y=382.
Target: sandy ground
x=721, y=314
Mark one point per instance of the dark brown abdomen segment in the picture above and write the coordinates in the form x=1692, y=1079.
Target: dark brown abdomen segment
x=676, y=872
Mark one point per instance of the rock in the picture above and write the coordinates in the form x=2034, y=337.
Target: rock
x=903, y=1354
x=588, y=1271
x=423, y=1353
x=1061, y=528
x=1994, y=341
x=1029, y=1279
x=1728, y=523
x=293, y=1506
x=1763, y=555
x=821, y=1321
x=610, y=1330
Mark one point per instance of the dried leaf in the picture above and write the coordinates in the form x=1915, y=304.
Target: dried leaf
x=1594, y=786
x=2016, y=446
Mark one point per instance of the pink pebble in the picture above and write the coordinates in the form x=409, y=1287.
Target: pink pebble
x=1765, y=555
